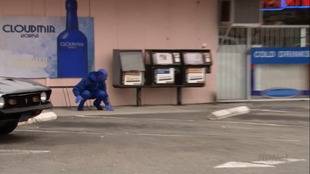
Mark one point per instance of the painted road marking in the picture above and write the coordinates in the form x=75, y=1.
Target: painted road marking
x=85, y=116
x=166, y=135
x=301, y=114
x=58, y=132
x=294, y=160
x=234, y=164
x=274, y=162
x=267, y=110
x=251, y=123
x=125, y=118
x=117, y=134
x=164, y=119
x=136, y=113
x=269, y=162
x=19, y=152
x=149, y=134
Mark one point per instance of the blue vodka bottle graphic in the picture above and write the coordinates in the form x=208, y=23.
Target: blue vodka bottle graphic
x=72, y=46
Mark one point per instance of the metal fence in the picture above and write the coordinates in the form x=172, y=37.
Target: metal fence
x=233, y=66
x=280, y=37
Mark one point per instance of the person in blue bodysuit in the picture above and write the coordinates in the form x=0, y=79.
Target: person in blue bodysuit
x=92, y=87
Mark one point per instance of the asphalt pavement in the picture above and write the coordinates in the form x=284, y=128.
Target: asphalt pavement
x=271, y=139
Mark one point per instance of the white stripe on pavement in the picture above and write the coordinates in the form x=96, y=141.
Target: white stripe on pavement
x=18, y=152
x=234, y=164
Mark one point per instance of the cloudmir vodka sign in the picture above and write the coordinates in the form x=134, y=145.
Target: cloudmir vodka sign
x=30, y=46
x=72, y=46
x=28, y=31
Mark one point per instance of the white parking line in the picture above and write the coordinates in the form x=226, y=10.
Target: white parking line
x=268, y=162
x=251, y=123
x=151, y=134
x=234, y=164
x=58, y=132
x=285, y=160
x=267, y=110
x=167, y=135
x=136, y=113
x=87, y=116
x=126, y=118
x=182, y=120
x=18, y=152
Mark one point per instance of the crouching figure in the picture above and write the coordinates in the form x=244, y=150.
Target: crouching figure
x=92, y=87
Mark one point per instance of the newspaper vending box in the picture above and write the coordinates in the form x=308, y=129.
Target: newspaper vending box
x=196, y=64
x=163, y=68
x=128, y=68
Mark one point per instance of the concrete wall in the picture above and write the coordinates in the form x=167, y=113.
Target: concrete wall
x=135, y=24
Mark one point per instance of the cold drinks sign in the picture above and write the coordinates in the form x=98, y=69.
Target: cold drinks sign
x=41, y=47
x=278, y=76
x=298, y=55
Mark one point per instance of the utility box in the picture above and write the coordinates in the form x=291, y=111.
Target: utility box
x=163, y=67
x=128, y=68
x=196, y=64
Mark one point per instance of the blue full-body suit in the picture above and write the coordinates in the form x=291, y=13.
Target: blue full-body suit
x=92, y=87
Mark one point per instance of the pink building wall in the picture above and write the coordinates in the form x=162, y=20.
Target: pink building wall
x=135, y=24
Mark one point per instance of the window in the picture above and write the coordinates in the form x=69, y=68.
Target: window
x=225, y=9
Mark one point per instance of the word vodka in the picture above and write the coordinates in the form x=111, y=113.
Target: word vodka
x=72, y=46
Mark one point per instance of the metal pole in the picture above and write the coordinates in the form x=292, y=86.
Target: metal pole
x=179, y=96
x=68, y=98
x=303, y=39
x=63, y=91
x=138, y=97
x=248, y=63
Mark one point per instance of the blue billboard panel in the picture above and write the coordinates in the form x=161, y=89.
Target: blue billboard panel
x=47, y=47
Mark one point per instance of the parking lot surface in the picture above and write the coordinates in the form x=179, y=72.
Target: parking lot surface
x=262, y=142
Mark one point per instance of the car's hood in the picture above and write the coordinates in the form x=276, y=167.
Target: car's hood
x=14, y=85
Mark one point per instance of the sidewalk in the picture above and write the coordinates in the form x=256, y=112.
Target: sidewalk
x=166, y=109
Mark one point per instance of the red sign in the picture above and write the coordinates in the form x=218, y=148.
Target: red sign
x=296, y=3
x=271, y=4
x=281, y=4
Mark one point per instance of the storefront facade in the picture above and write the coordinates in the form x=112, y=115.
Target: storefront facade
x=282, y=34
x=133, y=24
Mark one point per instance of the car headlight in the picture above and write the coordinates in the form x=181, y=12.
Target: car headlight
x=43, y=97
x=2, y=102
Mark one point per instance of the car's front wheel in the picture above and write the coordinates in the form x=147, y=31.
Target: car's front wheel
x=8, y=127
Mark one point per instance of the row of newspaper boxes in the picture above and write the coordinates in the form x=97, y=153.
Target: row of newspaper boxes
x=135, y=68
